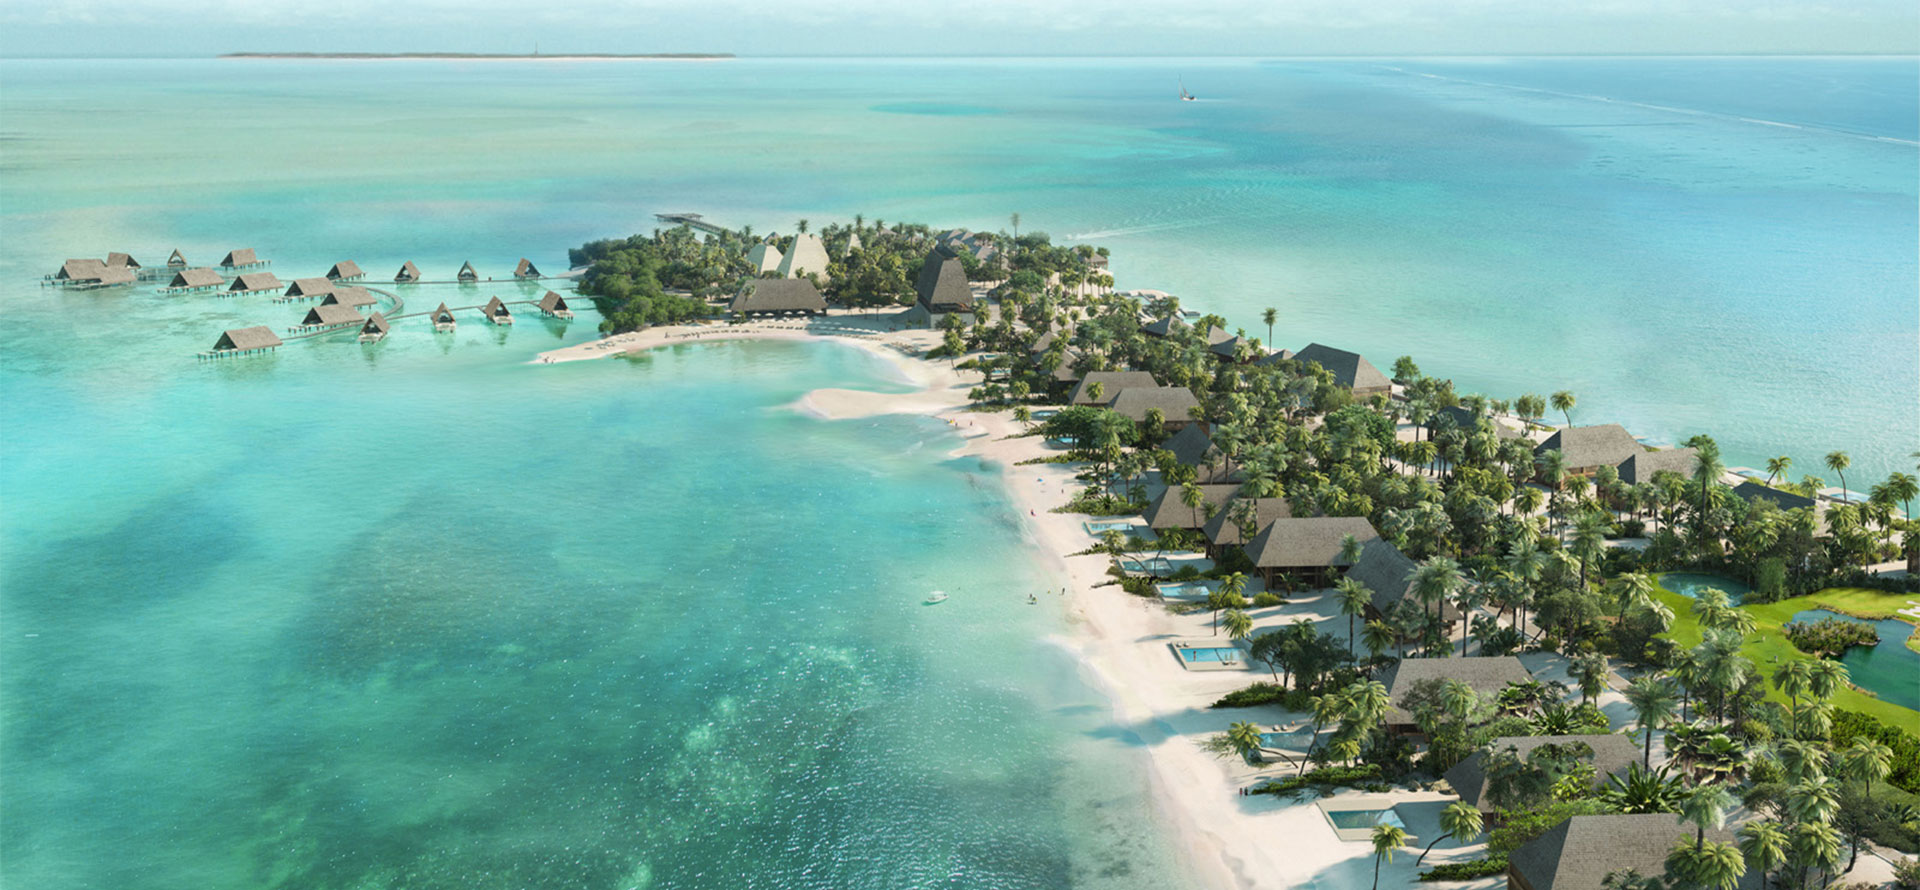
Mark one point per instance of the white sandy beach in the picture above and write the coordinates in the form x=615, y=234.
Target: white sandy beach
x=1231, y=842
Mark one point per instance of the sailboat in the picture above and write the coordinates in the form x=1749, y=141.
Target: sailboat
x=1184, y=95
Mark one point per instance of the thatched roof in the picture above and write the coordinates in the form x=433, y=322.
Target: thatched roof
x=1486, y=674
x=1222, y=530
x=1163, y=327
x=1064, y=373
x=779, y=295
x=355, y=297
x=242, y=257
x=1228, y=346
x=1602, y=445
x=467, y=273
x=81, y=270
x=197, y=278
x=334, y=314
x=117, y=275
x=309, y=287
x=763, y=257
x=1579, y=853
x=1785, y=500
x=1044, y=342
x=1175, y=403
x=242, y=339
x=942, y=285
x=1612, y=754
x=553, y=302
x=376, y=324
x=806, y=254
x=1111, y=383
x=408, y=272
x=1348, y=368
x=525, y=269
x=121, y=259
x=345, y=269
x=250, y=281
x=1468, y=421
x=442, y=315
x=495, y=308
x=176, y=258
x=1275, y=357
x=1641, y=467
x=1383, y=569
x=1167, y=511
x=1306, y=543
x=1192, y=446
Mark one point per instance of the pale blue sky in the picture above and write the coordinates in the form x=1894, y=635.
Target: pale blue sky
x=961, y=27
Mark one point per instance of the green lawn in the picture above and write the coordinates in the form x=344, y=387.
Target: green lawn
x=1768, y=645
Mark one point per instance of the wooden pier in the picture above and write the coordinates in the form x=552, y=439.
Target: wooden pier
x=692, y=221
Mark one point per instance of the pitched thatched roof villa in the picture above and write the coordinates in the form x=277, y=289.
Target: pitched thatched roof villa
x=467, y=273
x=1585, y=449
x=806, y=255
x=1643, y=464
x=331, y=316
x=1223, y=532
x=308, y=289
x=555, y=305
x=195, y=279
x=1487, y=675
x=121, y=260
x=1111, y=383
x=496, y=312
x=1304, y=548
x=254, y=282
x=375, y=329
x=241, y=259
x=1464, y=419
x=241, y=341
x=941, y=290
x=443, y=320
x=763, y=257
x=408, y=274
x=1611, y=755
x=1385, y=572
x=1193, y=447
x=525, y=269
x=1579, y=853
x=92, y=273
x=345, y=270
x=1175, y=404
x=1163, y=327
x=763, y=297
x=1168, y=512
x=1349, y=369
x=177, y=260
x=354, y=297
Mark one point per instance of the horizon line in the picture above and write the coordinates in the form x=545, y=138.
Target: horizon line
x=586, y=55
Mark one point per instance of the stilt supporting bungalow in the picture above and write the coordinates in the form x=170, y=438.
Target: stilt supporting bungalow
x=321, y=318
x=525, y=269
x=243, y=341
x=177, y=260
x=89, y=273
x=443, y=321
x=496, y=312
x=345, y=270
x=555, y=305
x=351, y=297
x=253, y=282
x=188, y=281
x=306, y=289
x=375, y=329
x=408, y=274
x=243, y=258
x=467, y=274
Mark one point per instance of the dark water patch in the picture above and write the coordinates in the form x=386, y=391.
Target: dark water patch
x=1889, y=670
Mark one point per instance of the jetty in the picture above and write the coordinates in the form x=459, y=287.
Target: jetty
x=692, y=221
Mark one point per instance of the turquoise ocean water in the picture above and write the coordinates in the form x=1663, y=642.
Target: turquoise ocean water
x=421, y=614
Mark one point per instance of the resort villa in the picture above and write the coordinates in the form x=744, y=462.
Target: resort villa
x=191, y=280
x=771, y=297
x=353, y=297
x=496, y=312
x=1460, y=418
x=408, y=274
x=1641, y=466
x=941, y=290
x=241, y=259
x=1349, y=370
x=443, y=320
x=331, y=316
x=1487, y=675
x=1224, y=529
x=1585, y=449
x=308, y=289
x=92, y=273
x=254, y=282
x=525, y=269
x=1304, y=550
x=345, y=270
x=806, y=256
x=468, y=274
x=375, y=329
x=1580, y=853
x=1168, y=512
x=1387, y=574
x=241, y=341
x=1193, y=446
x=1175, y=405
x=1610, y=754
x=763, y=258
x=118, y=260
x=1110, y=383
x=554, y=306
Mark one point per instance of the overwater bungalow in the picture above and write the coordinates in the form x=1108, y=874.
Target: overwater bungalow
x=80, y=271
x=1580, y=853
x=1349, y=370
x=1609, y=754
x=806, y=255
x=766, y=297
x=1175, y=405
x=243, y=341
x=408, y=274
x=333, y=316
x=123, y=261
x=243, y=258
x=375, y=328
x=941, y=290
x=525, y=269
x=763, y=258
x=254, y=282
x=1111, y=383
x=191, y=280
x=1304, y=550
x=467, y=274
x=1585, y=449
x=345, y=270
x=1486, y=675
x=351, y=297
x=443, y=320
x=1224, y=531
x=555, y=306
x=496, y=312
x=1168, y=511
x=308, y=289
x=115, y=275
x=177, y=260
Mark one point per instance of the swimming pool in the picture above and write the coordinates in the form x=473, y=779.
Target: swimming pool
x=1185, y=590
x=1688, y=584
x=1295, y=740
x=1101, y=527
x=1364, y=820
x=1227, y=655
x=1152, y=566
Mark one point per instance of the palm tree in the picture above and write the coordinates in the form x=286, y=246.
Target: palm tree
x=1192, y=497
x=1377, y=636
x=1354, y=599
x=1903, y=488
x=1706, y=807
x=1245, y=739
x=1764, y=844
x=1815, y=845
x=1553, y=469
x=1653, y=701
x=1589, y=539
x=1435, y=580
x=1460, y=819
x=1563, y=403
x=1015, y=219
x=1866, y=762
x=1778, y=466
x=1386, y=839
x=1269, y=315
x=1630, y=590
x=1714, y=866
x=1590, y=671
x=1838, y=461
x=1239, y=626
x=802, y=226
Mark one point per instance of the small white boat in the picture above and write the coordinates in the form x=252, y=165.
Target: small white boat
x=938, y=597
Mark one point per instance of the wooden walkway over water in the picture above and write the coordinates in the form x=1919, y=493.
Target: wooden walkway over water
x=693, y=221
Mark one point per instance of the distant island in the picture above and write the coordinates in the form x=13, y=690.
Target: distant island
x=561, y=57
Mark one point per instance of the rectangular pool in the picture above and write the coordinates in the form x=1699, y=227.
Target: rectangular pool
x=1150, y=566
x=1227, y=655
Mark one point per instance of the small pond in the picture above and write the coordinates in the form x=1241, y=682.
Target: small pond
x=1889, y=670
x=1688, y=584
